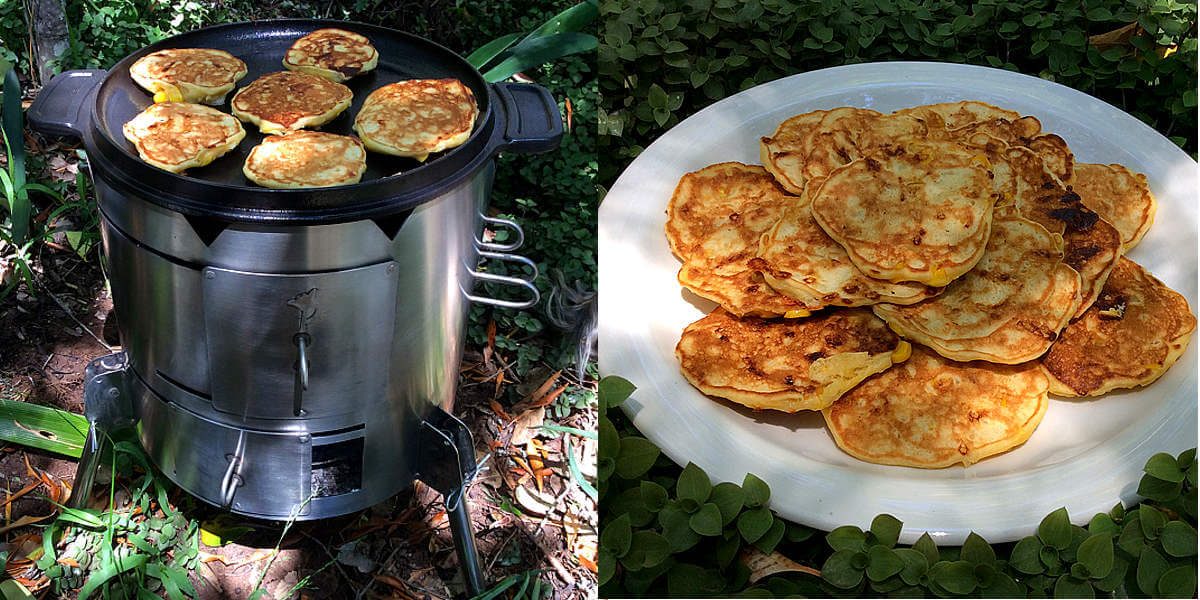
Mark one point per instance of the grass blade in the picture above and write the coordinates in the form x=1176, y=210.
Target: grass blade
x=110, y=570
x=540, y=50
x=591, y=435
x=42, y=427
x=504, y=584
x=577, y=475
x=490, y=50
x=11, y=120
x=571, y=19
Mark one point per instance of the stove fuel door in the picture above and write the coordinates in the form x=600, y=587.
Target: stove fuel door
x=288, y=346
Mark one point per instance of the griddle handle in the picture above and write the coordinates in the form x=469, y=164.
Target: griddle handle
x=65, y=104
x=529, y=118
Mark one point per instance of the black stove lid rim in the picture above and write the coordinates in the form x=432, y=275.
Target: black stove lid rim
x=378, y=198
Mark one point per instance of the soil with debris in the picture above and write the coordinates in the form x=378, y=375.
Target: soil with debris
x=528, y=511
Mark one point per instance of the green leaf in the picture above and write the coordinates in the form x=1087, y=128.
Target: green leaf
x=610, y=440
x=1132, y=540
x=654, y=496
x=883, y=563
x=1038, y=47
x=43, y=428
x=707, y=520
x=616, y=536
x=650, y=546
x=976, y=550
x=180, y=578
x=677, y=529
x=533, y=52
x=1096, y=553
x=756, y=491
x=839, y=570
x=1158, y=490
x=925, y=545
x=754, y=523
x=614, y=390
x=490, y=50
x=1102, y=523
x=1115, y=577
x=693, y=581
x=10, y=589
x=1003, y=586
x=1055, y=529
x=693, y=484
x=772, y=537
x=1151, y=566
x=847, y=537
x=1152, y=521
x=636, y=457
x=915, y=565
x=1178, y=539
x=108, y=571
x=1025, y=556
x=1070, y=587
x=657, y=97
x=1179, y=582
x=958, y=577
x=727, y=549
x=728, y=498
x=1165, y=467
x=606, y=565
x=886, y=529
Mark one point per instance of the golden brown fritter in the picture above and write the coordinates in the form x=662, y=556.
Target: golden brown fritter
x=203, y=75
x=335, y=54
x=1008, y=309
x=1132, y=334
x=914, y=211
x=416, y=118
x=176, y=136
x=306, y=159
x=1119, y=196
x=290, y=100
x=931, y=412
x=714, y=221
x=785, y=364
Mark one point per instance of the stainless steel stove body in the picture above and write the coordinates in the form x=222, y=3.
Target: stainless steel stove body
x=286, y=370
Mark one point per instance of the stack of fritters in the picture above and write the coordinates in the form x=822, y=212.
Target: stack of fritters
x=966, y=229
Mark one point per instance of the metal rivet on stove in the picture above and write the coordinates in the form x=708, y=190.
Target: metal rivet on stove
x=113, y=392
x=391, y=269
x=209, y=275
x=304, y=438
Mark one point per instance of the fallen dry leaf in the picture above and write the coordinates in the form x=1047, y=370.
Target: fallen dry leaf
x=23, y=521
x=762, y=565
x=526, y=424
x=1114, y=38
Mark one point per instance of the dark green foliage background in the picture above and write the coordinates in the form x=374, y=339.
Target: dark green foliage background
x=663, y=60
x=669, y=532
x=552, y=195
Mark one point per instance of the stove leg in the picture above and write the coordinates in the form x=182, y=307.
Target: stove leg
x=85, y=473
x=447, y=464
x=107, y=404
x=464, y=545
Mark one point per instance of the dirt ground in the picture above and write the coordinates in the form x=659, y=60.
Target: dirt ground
x=402, y=548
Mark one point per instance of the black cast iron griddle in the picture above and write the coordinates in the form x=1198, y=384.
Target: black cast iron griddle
x=401, y=57
x=95, y=106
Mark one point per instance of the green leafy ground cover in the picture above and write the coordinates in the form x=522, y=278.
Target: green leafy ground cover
x=669, y=532
x=663, y=60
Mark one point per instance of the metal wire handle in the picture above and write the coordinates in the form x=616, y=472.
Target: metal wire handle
x=509, y=247
x=536, y=296
x=233, y=478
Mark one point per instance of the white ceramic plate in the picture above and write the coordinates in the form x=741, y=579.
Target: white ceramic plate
x=1086, y=455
